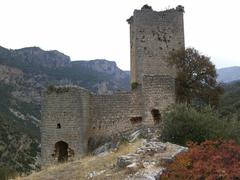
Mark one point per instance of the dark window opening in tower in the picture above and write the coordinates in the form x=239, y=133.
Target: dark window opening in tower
x=58, y=126
x=156, y=116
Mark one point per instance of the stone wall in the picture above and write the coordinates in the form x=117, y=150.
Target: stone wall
x=86, y=119
x=112, y=114
x=158, y=94
x=65, y=117
x=153, y=36
x=107, y=111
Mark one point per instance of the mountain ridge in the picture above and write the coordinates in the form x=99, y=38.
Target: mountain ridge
x=24, y=74
x=228, y=74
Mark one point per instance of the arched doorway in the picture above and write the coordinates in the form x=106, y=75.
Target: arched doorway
x=61, y=150
x=156, y=116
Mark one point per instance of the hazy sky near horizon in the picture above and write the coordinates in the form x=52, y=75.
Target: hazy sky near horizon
x=97, y=29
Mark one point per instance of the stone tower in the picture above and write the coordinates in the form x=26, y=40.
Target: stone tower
x=153, y=35
x=64, y=124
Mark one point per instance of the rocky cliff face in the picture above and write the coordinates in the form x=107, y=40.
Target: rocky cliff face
x=35, y=55
x=25, y=74
x=104, y=66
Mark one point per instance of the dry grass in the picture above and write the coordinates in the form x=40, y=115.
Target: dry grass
x=80, y=169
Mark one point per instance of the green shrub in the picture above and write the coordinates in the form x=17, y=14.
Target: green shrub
x=230, y=101
x=231, y=127
x=182, y=123
x=56, y=89
x=7, y=173
x=134, y=85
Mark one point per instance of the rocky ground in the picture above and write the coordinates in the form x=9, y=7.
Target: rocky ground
x=149, y=160
x=144, y=159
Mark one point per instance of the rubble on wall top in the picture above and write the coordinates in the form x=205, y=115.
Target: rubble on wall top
x=146, y=7
x=130, y=20
x=63, y=88
x=180, y=8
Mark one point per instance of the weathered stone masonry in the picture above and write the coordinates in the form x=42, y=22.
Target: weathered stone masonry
x=74, y=119
x=153, y=35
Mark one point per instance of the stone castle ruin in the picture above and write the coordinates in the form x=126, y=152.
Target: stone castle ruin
x=74, y=120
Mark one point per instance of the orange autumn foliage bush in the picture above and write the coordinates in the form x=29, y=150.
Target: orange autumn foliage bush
x=211, y=160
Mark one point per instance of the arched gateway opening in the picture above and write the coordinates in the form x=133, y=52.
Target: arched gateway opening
x=156, y=116
x=61, y=150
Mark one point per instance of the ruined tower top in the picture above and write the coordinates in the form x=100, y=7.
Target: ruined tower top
x=153, y=35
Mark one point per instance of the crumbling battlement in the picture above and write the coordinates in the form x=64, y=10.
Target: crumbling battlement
x=74, y=119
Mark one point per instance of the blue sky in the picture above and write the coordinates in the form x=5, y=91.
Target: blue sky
x=93, y=29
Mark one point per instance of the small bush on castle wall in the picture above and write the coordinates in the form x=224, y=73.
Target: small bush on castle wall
x=134, y=85
x=183, y=123
x=216, y=160
x=52, y=88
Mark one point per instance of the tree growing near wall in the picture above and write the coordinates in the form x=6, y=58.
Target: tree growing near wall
x=196, y=77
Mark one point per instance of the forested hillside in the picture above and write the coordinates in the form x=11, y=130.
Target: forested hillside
x=230, y=101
